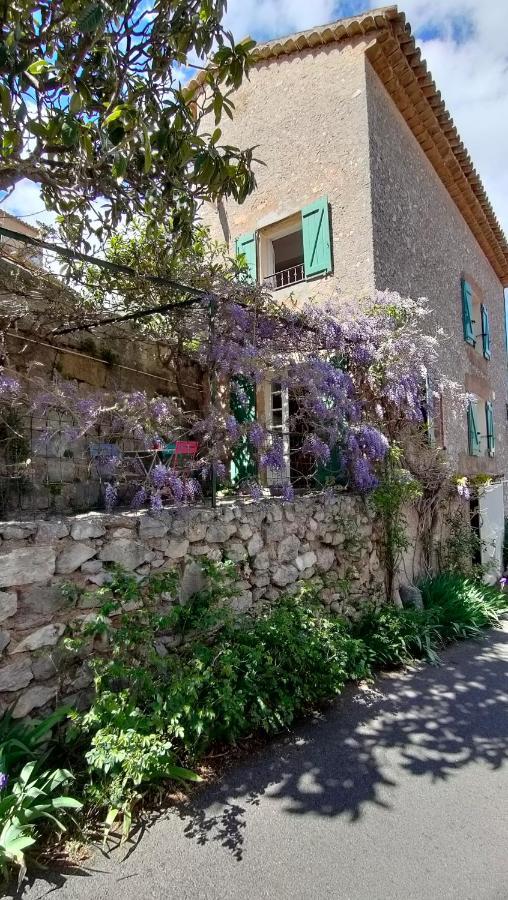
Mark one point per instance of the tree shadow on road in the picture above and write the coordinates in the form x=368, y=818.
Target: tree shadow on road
x=437, y=719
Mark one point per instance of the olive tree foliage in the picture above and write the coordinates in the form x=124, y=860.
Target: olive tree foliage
x=93, y=109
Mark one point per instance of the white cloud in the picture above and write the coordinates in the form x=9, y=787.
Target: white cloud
x=26, y=202
x=265, y=19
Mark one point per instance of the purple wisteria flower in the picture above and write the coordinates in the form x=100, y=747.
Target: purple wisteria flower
x=255, y=491
x=288, y=493
x=233, y=428
x=176, y=486
x=159, y=475
x=273, y=458
x=9, y=386
x=156, y=502
x=110, y=496
x=256, y=435
x=362, y=476
x=139, y=499
x=4, y=780
x=317, y=448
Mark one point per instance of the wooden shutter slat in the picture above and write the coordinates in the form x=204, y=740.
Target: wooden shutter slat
x=245, y=245
x=485, y=332
x=467, y=312
x=317, y=250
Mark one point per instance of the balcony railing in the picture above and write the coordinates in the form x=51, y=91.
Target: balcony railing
x=285, y=277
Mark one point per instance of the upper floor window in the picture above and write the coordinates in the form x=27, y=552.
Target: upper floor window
x=475, y=319
x=292, y=250
x=480, y=427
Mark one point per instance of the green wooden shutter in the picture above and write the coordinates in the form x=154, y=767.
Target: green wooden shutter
x=243, y=462
x=317, y=249
x=491, y=436
x=246, y=246
x=472, y=430
x=485, y=332
x=467, y=312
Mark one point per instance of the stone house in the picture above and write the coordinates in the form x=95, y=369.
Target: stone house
x=367, y=185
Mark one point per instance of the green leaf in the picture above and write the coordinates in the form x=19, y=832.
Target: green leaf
x=113, y=116
x=91, y=18
x=148, y=150
x=119, y=166
x=39, y=66
x=5, y=100
x=76, y=103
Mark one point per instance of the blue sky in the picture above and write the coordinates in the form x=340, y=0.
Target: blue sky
x=464, y=42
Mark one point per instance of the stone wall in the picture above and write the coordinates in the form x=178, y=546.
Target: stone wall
x=274, y=546
x=423, y=248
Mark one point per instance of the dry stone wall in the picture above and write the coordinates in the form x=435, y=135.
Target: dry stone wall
x=274, y=546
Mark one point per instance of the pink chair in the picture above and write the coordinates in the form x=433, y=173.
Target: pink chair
x=183, y=457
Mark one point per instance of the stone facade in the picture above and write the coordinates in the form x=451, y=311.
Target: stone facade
x=423, y=248
x=307, y=115
x=274, y=546
x=324, y=124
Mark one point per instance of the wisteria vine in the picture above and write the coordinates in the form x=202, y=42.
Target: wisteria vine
x=354, y=373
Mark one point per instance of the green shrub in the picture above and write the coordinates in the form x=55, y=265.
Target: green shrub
x=31, y=793
x=460, y=607
x=393, y=636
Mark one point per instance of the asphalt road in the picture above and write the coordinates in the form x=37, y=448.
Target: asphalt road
x=399, y=792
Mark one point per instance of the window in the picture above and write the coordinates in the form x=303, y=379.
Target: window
x=475, y=318
x=433, y=415
x=281, y=254
x=277, y=421
x=295, y=249
x=481, y=428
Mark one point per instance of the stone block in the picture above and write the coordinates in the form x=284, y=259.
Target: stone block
x=73, y=556
x=284, y=575
x=325, y=559
x=219, y=534
x=288, y=548
x=17, y=531
x=177, y=549
x=90, y=525
x=306, y=560
x=26, y=565
x=47, y=636
x=5, y=639
x=151, y=527
x=245, y=531
x=125, y=552
x=8, y=604
x=261, y=562
x=274, y=532
x=51, y=531
x=255, y=544
x=35, y=697
x=236, y=551
x=16, y=675
x=92, y=567
x=192, y=581
x=197, y=532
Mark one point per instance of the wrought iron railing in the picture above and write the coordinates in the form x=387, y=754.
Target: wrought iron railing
x=285, y=277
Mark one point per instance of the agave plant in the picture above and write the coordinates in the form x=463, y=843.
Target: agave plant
x=25, y=803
